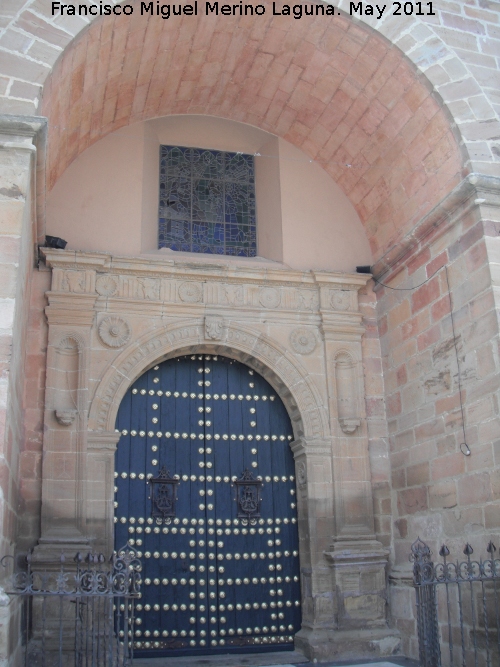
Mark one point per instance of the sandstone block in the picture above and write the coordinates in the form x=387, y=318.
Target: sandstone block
x=412, y=500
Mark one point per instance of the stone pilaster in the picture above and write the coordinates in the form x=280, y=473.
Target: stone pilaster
x=65, y=465
x=357, y=559
x=313, y=465
x=101, y=448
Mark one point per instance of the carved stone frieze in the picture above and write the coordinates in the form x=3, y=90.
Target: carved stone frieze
x=269, y=297
x=148, y=288
x=190, y=292
x=106, y=285
x=340, y=299
x=303, y=340
x=114, y=331
x=234, y=295
x=73, y=281
x=307, y=300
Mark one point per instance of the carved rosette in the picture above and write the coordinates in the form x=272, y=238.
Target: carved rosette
x=340, y=300
x=106, y=286
x=190, y=292
x=269, y=297
x=303, y=340
x=113, y=331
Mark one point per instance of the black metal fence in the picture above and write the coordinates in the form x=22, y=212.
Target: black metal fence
x=458, y=608
x=78, y=613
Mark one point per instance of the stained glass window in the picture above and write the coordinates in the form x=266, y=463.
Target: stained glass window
x=207, y=202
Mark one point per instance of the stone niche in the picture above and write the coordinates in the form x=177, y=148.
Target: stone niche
x=111, y=318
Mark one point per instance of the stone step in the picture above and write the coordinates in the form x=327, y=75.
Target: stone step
x=278, y=659
x=274, y=659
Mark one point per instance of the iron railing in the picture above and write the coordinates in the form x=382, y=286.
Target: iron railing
x=78, y=613
x=458, y=608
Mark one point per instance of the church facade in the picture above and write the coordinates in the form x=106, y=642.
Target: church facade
x=370, y=142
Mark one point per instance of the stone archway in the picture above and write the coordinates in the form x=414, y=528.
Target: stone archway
x=301, y=399
x=241, y=342
x=338, y=91
x=429, y=43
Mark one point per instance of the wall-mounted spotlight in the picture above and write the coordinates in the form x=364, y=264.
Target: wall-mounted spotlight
x=55, y=242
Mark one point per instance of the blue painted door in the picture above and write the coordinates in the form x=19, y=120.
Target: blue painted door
x=220, y=569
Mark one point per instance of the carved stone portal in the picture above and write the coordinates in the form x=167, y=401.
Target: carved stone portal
x=108, y=325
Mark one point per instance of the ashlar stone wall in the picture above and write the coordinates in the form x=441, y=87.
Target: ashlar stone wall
x=440, y=491
x=18, y=143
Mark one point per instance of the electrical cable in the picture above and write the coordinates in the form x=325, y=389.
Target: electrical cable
x=407, y=289
x=463, y=444
x=464, y=447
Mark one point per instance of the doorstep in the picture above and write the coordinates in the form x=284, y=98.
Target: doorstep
x=279, y=659
x=274, y=659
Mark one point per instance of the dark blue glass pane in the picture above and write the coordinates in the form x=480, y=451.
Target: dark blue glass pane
x=208, y=200
x=239, y=204
x=207, y=164
x=210, y=195
x=176, y=234
x=240, y=235
x=239, y=168
x=175, y=198
x=175, y=161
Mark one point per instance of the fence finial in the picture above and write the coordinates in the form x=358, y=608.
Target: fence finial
x=468, y=551
x=420, y=551
x=444, y=551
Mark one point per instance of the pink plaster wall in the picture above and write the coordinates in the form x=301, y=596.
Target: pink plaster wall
x=321, y=229
x=107, y=199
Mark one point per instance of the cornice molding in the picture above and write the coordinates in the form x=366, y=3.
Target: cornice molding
x=169, y=268
x=102, y=440
x=474, y=190
x=22, y=126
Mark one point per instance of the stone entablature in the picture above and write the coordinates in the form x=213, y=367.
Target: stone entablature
x=111, y=318
x=222, y=285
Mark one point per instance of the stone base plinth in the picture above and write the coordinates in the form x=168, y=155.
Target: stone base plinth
x=328, y=645
x=359, y=568
x=47, y=554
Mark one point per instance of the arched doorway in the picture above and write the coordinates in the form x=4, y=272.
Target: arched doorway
x=218, y=532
